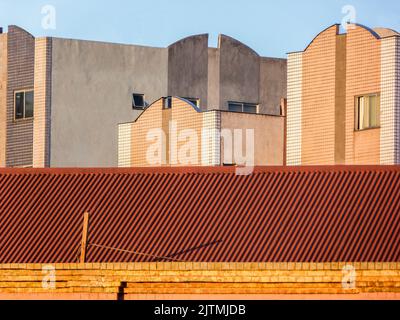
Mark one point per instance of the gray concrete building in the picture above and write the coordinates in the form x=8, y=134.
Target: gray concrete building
x=61, y=100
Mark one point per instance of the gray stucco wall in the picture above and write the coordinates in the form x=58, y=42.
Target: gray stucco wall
x=188, y=68
x=273, y=84
x=239, y=72
x=92, y=86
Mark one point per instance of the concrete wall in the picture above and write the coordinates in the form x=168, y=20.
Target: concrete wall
x=268, y=136
x=188, y=68
x=273, y=84
x=3, y=100
x=92, y=86
x=239, y=72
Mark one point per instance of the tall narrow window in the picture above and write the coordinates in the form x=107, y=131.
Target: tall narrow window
x=367, y=112
x=23, y=104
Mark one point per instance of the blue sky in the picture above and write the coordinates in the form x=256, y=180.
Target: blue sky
x=272, y=28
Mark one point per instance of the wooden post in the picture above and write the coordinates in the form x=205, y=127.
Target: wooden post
x=84, y=236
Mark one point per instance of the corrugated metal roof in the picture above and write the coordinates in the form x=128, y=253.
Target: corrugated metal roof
x=314, y=214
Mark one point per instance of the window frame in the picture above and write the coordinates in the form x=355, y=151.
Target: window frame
x=197, y=100
x=242, y=104
x=356, y=111
x=134, y=104
x=167, y=103
x=24, y=91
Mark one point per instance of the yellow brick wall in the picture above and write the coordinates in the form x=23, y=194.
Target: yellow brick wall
x=3, y=98
x=362, y=77
x=183, y=117
x=41, y=123
x=318, y=100
x=150, y=119
x=200, y=280
x=186, y=119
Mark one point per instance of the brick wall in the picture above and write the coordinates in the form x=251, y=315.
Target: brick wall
x=294, y=109
x=318, y=100
x=148, y=120
x=363, y=76
x=21, y=53
x=3, y=100
x=189, y=123
x=390, y=100
x=42, y=102
x=201, y=281
x=183, y=119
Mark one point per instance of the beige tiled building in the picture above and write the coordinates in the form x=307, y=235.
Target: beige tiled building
x=175, y=132
x=344, y=98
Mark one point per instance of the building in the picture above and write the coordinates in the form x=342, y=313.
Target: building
x=176, y=132
x=344, y=98
x=62, y=99
x=207, y=233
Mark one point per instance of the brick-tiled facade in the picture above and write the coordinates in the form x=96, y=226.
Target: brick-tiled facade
x=318, y=99
x=186, y=280
x=363, y=76
x=3, y=98
x=42, y=89
x=335, y=69
x=183, y=135
x=21, y=62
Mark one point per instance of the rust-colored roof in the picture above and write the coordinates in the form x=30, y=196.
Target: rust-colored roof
x=314, y=214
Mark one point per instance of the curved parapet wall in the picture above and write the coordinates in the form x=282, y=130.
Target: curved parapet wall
x=239, y=72
x=188, y=68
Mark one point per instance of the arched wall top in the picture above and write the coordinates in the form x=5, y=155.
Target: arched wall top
x=16, y=28
x=322, y=33
x=160, y=99
x=371, y=31
x=203, y=36
x=386, y=32
x=237, y=42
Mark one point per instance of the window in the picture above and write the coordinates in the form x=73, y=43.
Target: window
x=367, y=112
x=138, y=101
x=23, y=101
x=167, y=102
x=243, y=107
x=194, y=101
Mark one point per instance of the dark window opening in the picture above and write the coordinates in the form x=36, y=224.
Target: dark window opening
x=194, y=101
x=138, y=101
x=23, y=104
x=242, y=107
